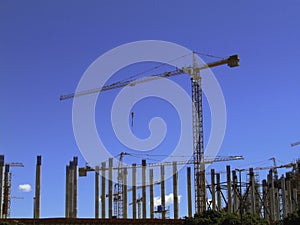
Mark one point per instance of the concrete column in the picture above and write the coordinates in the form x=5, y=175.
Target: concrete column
x=236, y=202
x=1, y=182
x=219, y=201
x=163, y=191
x=134, y=201
x=110, y=187
x=289, y=193
x=295, y=200
x=96, y=192
x=213, y=189
x=189, y=191
x=252, y=193
x=151, y=194
x=283, y=195
x=229, y=198
x=144, y=189
x=124, y=193
x=5, y=192
x=175, y=190
x=75, y=186
x=37, y=198
x=265, y=200
x=67, y=206
x=271, y=195
x=71, y=189
x=103, y=192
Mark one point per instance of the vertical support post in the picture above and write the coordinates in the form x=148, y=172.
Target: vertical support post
x=295, y=198
x=219, y=201
x=67, y=206
x=75, y=186
x=103, y=199
x=37, y=187
x=125, y=193
x=151, y=194
x=5, y=192
x=144, y=189
x=283, y=194
x=229, y=200
x=1, y=182
x=134, y=201
x=96, y=192
x=71, y=189
x=189, y=191
x=110, y=188
x=289, y=193
x=213, y=189
x=163, y=191
x=175, y=190
x=235, y=192
x=271, y=195
x=252, y=184
x=265, y=200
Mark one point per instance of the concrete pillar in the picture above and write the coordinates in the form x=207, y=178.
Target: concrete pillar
x=163, y=191
x=37, y=198
x=1, y=182
x=134, y=201
x=110, y=187
x=236, y=202
x=288, y=194
x=252, y=192
x=124, y=193
x=277, y=203
x=219, y=201
x=265, y=200
x=295, y=200
x=144, y=189
x=67, y=206
x=271, y=195
x=175, y=190
x=151, y=194
x=189, y=191
x=71, y=189
x=96, y=192
x=283, y=196
x=213, y=189
x=103, y=199
x=75, y=186
x=229, y=198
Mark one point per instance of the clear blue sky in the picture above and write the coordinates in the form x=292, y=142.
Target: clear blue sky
x=45, y=47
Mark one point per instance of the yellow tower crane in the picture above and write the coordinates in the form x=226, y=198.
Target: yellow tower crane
x=198, y=138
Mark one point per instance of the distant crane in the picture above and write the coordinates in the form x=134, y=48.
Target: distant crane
x=7, y=188
x=295, y=144
x=275, y=165
x=197, y=115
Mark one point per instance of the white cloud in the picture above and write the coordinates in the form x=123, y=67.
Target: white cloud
x=169, y=199
x=24, y=187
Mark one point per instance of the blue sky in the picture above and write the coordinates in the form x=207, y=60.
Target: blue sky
x=45, y=47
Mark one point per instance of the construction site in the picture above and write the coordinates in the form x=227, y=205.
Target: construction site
x=115, y=183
